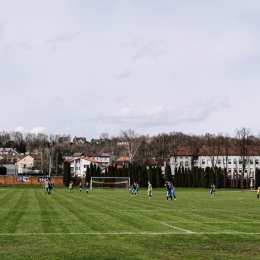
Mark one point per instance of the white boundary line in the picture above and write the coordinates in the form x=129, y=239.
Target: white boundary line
x=130, y=233
x=181, y=229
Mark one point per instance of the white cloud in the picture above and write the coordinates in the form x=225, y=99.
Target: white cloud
x=19, y=129
x=163, y=115
x=177, y=65
x=38, y=130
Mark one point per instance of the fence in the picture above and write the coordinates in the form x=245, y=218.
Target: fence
x=33, y=180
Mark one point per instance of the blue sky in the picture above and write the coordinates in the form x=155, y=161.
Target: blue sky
x=89, y=67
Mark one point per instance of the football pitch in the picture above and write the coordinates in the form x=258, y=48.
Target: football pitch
x=112, y=224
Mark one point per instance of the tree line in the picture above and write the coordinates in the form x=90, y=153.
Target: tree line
x=139, y=148
x=187, y=178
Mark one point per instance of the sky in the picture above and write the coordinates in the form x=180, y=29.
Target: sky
x=87, y=67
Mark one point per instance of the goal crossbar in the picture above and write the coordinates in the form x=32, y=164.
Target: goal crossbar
x=110, y=182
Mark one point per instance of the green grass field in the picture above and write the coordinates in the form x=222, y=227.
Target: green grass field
x=111, y=224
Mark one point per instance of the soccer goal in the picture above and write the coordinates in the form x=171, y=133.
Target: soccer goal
x=109, y=182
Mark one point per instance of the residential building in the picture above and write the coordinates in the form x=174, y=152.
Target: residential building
x=64, y=140
x=79, y=165
x=67, y=155
x=97, y=141
x=10, y=155
x=209, y=157
x=29, y=162
x=79, y=140
x=123, y=161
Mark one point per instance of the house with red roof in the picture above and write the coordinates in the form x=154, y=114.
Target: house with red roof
x=79, y=165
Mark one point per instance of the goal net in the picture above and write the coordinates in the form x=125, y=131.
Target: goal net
x=109, y=182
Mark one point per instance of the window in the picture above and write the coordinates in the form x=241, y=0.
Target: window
x=240, y=170
x=85, y=166
x=186, y=158
x=229, y=161
x=235, y=170
x=181, y=158
x=256, y=161
x=235, y=161
x=251, y=161
x=181, y=163
x=246, y=170
x=203, y=161
x=251, y=170
x=219, y=161
x=240, y=161
x=186, y=163
x=229, y=169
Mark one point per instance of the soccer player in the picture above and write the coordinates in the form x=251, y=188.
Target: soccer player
x=173, y=191
x=87, y=187
x=137, y=188
x=150, y=190
x=46, y=184
x=80, y=186
x=168, y=190
x=134, y=189
x=213, y=189
x=71, y=187
x=49, y=188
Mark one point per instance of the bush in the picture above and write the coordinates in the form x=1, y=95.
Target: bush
x=3, y=170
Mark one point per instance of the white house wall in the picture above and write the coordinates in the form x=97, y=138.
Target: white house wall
x=219, y=161
x=79, y=166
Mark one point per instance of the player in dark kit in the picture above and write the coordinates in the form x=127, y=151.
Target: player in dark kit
x=87, y=187
x=134, y=189
x=168, y=190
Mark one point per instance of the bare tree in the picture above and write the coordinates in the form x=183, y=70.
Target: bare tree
x=194, y=142
x=225, y=146
x=175, y=141
x=160, y=146
x=131, y=141
x=243, y=142
x=213, y=149
x=42, y=140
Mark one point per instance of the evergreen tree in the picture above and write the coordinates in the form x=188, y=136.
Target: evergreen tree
x=189, y=178
x=98, y=171
x=91, y=170
x=88, y=176
x=66, y=173
x=168, y=173
x=144, y=176
x=158, y=177
x=257, y=178
x=151, y=175
x=3, y=170
x=94, y=170
x=176, y=178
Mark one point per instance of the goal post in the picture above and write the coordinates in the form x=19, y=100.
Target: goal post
x=110, y=182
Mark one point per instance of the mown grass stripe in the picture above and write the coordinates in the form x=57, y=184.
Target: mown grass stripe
x=131, y=233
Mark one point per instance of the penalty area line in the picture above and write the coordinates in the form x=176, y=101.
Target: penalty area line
x=181, y=229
